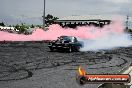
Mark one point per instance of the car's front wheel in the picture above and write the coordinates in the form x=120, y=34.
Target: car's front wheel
x=70, y=49
x=51, y=49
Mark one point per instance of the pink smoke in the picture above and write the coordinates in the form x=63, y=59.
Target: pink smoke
x=85, y=32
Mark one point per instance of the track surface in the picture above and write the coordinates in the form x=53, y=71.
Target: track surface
x=32, y=65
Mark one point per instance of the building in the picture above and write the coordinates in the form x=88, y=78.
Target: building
x=74, y=21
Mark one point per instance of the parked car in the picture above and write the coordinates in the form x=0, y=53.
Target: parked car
x=65, y=43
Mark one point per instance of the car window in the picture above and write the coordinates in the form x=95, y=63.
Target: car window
x=67, y=38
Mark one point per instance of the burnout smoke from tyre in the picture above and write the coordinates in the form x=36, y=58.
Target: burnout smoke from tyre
x=94, y=38
x=107, y=42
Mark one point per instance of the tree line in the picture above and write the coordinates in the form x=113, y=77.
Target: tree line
x=22, y=27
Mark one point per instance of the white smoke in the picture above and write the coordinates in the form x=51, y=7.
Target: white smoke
x=108, y=42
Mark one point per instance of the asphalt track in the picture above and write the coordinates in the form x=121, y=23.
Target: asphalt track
x=32, y=65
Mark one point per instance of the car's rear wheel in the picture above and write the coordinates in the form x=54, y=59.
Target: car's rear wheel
x=78, y=48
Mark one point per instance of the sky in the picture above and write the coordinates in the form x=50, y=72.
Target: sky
x=30, y=11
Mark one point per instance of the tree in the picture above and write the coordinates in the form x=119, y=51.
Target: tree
x=17, y=26
x=22, y=27
x=49, y=19
x=2, y=24
x=32, y=26
x=129, y=31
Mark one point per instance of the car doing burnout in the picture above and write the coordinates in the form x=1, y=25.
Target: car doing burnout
x=65, y=43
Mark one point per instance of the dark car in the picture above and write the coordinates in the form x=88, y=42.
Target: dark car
x=65, y=43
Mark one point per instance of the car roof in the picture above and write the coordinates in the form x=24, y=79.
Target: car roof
x=67, y=36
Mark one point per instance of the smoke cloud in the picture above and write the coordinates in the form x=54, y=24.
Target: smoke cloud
x=94, y=38
x=108, y=42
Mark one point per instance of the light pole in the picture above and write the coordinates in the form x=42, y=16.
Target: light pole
x=44, y=17
x=127, y=22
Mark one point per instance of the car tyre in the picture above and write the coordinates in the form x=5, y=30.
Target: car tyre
x=78, y=48
x=51, y=49
x=70, y=49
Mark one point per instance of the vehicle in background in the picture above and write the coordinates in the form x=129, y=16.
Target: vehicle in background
x=9, y=29
x=65, y=43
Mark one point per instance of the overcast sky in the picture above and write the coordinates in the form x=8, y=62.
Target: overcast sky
x=30, y=11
